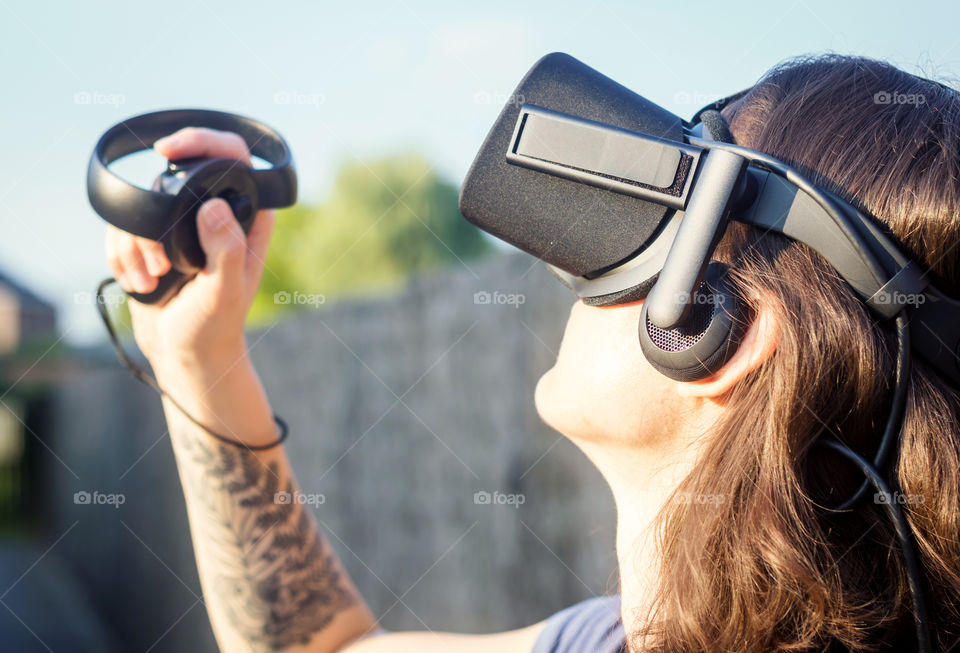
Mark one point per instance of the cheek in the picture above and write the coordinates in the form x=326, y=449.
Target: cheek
x=601, y=385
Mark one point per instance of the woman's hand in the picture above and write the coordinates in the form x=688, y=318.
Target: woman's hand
x=202, y=327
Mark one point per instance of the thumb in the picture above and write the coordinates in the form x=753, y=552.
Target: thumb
x=223, y=242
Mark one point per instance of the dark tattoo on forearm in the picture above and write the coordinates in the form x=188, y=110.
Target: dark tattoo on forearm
x=275, y=575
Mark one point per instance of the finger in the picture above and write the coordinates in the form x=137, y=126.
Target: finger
x=203, y=142
x=224, y=244
x=154, y=256
x=113, y=257
x=134, y=267
x=258, y=241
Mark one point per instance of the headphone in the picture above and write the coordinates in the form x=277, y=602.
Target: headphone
x=168, y=211
x=706, y=339
x=694, y=345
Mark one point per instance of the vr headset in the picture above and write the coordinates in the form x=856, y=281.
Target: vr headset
x=626, y=201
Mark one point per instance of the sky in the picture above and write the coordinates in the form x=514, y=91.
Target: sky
x=352, y=80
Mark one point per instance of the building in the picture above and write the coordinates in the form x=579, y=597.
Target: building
x=24, y=317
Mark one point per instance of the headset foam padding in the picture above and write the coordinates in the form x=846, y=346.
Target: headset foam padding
x=708, y=337
x=626, y=296
x=717, y=126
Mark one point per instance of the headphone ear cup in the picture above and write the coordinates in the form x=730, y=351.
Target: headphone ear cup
x=709, y=336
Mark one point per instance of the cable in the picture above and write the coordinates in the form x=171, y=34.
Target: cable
x=894, y=426
x=146, y=379
x=891, y=435
x=907, y=542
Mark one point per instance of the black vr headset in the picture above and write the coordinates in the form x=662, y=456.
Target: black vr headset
x=625, y=201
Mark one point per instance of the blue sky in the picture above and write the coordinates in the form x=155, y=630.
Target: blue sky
x=364, y=79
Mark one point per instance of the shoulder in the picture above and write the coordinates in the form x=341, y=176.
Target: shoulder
x=591, y=625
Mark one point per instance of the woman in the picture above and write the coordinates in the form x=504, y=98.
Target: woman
x=720, y=542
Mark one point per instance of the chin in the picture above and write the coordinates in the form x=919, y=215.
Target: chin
x=558, y=410
x=546, y=401
x=540, y=395
x=598, y=380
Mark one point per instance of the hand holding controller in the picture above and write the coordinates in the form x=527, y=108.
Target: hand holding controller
x=195, y=286
x=167, y=213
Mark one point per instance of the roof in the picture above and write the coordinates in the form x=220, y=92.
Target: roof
x=27, y=297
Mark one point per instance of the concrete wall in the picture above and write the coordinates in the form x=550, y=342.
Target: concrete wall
x=401, y=407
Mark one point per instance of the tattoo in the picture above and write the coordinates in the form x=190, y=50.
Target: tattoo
x=275, y=575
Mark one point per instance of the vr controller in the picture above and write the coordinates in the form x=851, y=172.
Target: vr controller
x=168, y=211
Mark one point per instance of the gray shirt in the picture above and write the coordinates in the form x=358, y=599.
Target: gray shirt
x=591, y=626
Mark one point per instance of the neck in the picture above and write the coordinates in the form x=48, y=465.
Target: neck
x=642, y=480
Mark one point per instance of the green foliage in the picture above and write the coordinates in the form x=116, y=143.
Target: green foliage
x=383, y=221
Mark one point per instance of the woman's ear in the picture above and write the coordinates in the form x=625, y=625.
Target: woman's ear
x=758, y=343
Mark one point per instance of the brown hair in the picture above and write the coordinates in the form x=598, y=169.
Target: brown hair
x=765, y=570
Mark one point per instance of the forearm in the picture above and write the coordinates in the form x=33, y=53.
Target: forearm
x=271, y=581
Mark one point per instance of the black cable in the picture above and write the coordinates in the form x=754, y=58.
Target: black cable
x=146, y=379
x=891, y=435
x=894, y=426
x=907, y=542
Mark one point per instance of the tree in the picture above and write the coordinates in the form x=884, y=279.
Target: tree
x=382, y=222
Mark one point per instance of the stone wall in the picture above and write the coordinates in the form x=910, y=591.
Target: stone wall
x=402, y=407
